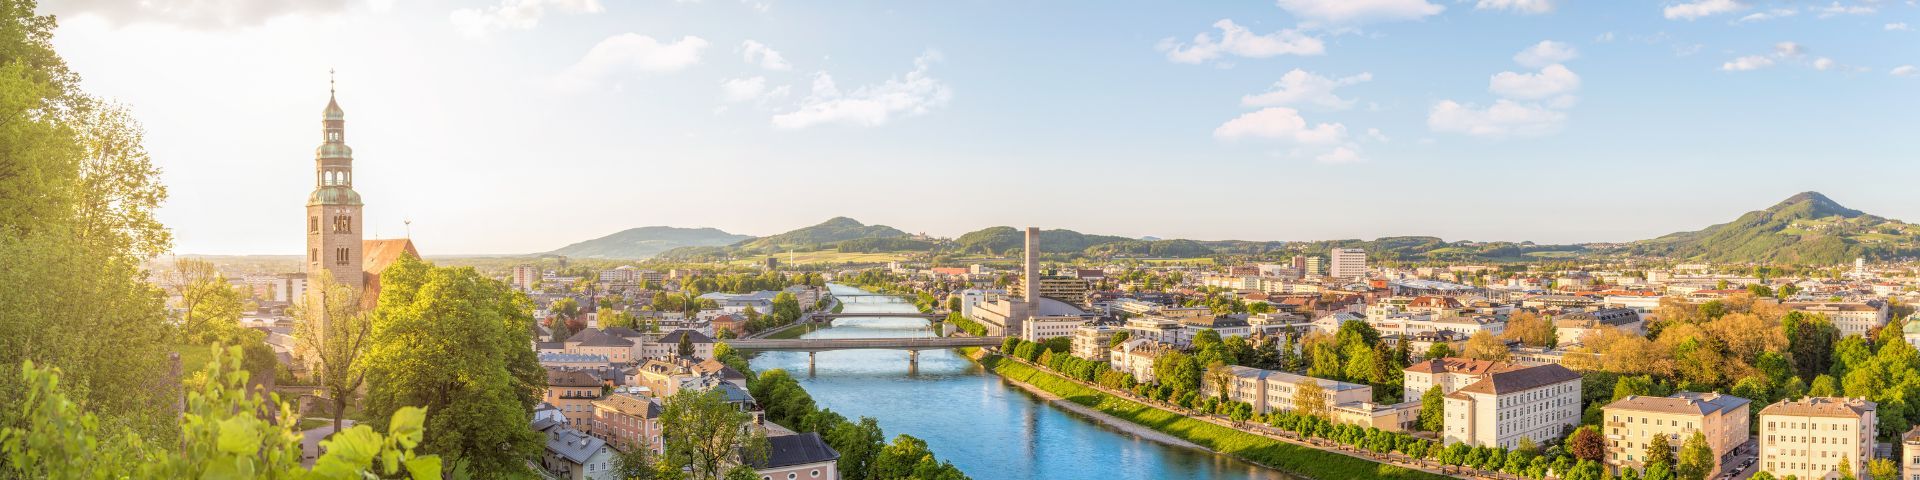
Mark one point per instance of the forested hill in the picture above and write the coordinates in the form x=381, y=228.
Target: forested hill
x=1807, y=228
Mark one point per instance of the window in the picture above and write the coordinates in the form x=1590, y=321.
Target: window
x=340, y=256
x=313, y=224
x=313, y=255
x=342, y=224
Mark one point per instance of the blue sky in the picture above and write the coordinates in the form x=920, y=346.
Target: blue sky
x=512, y=126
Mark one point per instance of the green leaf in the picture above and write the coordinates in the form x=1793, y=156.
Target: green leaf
x=408, y=426
x=240, y=435
x=424, y=467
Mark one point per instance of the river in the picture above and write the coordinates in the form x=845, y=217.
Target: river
x=992, y=430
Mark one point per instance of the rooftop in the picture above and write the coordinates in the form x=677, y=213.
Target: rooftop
x=1689, y=403
x=1520, y=379
x=802, y=449
x=1821, y=407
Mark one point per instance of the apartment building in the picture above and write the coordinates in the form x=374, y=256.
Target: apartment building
x=1501, y=408
x=573, y=392
x=1071, y=290
x=1348, y=263
x=1451, y=374
x=1910, y=454
x=1270, y=391
x=1040, y=328
x=1092, y=342
x=1810, y=438
x=628, y=421
x=1851, y=318
x=1631, y=423
x=1135, y=357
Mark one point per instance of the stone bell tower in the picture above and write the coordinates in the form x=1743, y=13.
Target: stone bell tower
x=333, y=211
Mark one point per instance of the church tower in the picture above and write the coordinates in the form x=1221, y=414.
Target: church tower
x=334, y=248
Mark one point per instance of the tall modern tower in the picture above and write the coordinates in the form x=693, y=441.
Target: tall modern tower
x=333, y=211
x=1030, y=270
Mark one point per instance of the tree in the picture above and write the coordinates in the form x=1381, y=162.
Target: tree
x=1221, y=378
x=1824, y=386
x=1483, y=345
x=1587, y=444
x=78, y=195
x=1846, y=470
x=221, y=434
x=334, y=333
x=1883, y=469
x=1119, y=338
x=456, y=343
x=858, y=444
x=703, y=433
x=565, y=307
x=1433, y=415
x=635, y=463
x=1658, y=453
x=1439, y=350
x=1529, y=329
x=1696, y=458
x=686, y=345
x=1310, y=399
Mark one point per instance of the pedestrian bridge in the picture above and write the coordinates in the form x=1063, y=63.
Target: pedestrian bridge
x=830, y=344
x=813, y=346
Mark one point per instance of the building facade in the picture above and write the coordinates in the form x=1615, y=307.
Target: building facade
x=1348, y=263
x=1501, y=408
x=1092, y=342
x=1629, y=424
x=1811, y=438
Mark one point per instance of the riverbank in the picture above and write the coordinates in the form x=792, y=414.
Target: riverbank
x=1272, y=453
x=1110, y=421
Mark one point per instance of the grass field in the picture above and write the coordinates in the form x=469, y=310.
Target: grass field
x=1299, y=460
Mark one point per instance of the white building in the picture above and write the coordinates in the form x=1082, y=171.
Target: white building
x=1037, y=329
x=1503, y=407
x=1091, y=342
x=1810, y=438
x=1348, y=263
x=1135, y=357
x=525, y=277
x=1851, y=318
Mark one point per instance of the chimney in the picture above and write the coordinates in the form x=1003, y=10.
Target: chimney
x=1031, y=276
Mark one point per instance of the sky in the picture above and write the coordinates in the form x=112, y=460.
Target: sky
x=520, y=126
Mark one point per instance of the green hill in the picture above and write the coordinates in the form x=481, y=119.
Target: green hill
x=1807, y=229
x=645, y=242
x=834, y=230
x=1005, y=240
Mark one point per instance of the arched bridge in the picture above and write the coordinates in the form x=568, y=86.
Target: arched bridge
x=834, y=316
x=913, y=346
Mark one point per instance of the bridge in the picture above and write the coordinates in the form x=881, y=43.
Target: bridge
x=835, y=316
x=913, y=346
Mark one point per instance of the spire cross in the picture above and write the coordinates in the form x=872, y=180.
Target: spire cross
x=329, y=81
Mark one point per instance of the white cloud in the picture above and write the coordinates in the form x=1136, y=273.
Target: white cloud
x=1375, y=135
x=756, y=53
x=1824, y=63
x=1280, y=123
x=1904, y=71
x=1355, y=12
x=200, y=14
x=1300, y=87
x=1767, y=15
x=1837, y=9
x=1505, y=118
x=1238, y=41
x=1749, y=62
x=515, y=15
x=630, y=53
x=736, y=90
x=1701, y=8
x=1517, y=6
x=1789, y=49
x=1547, y=52
x=1340, y=154
x=1897, y=27
x=915, y=94
x=1553, y=81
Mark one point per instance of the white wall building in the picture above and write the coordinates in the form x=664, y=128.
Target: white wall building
x=1501, y=408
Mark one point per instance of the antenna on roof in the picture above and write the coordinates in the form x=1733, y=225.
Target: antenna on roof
x=409, y=223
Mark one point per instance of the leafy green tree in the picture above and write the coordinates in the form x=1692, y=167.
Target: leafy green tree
x=1659, y=457
x=334, y=334
x=859, y=445
x=635, y=463
x=686, y=346
x=1439, y=350
x=456, y=343
x=1883, y=469
x=1696, y=458
x=78, y=195
x=221, y=435
x=1824, y=386
x=703, y=434
x=1433, y=413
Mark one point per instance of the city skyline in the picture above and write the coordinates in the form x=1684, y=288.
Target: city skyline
x=538, y=124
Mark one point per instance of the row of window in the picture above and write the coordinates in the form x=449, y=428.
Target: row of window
x=341, y=224
x=1811, y=426
x=1798, y=440
x=341, y=256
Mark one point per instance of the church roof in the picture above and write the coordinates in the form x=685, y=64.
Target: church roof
x=378, y=254
x=333, y=111
x=334, y=195
x=333, y=150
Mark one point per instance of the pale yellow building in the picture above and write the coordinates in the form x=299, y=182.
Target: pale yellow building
x=1631, y=423
x=1500, y=409
x=1810, y=438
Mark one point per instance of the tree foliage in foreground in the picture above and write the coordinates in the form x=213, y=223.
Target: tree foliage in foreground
x=225, y=432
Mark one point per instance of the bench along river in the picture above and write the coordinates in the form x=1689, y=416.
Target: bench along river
x=989, y=428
